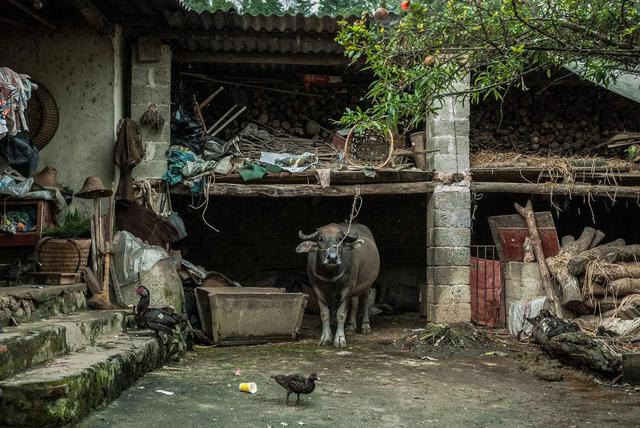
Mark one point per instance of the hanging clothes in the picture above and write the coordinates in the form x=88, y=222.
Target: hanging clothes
x=15, y=92
x=129, y=152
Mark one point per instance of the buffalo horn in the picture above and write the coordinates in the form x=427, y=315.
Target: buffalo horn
x=352, y=236
x=311, y=237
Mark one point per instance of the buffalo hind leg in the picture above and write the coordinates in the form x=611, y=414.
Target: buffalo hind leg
x=325, y=338
x=340, y=341
x=366, y=327
x=352, y=315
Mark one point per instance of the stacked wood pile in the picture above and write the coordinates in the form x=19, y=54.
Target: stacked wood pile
x=292, y=114
x=590, y=278
x=565, y=121
x=595, y=284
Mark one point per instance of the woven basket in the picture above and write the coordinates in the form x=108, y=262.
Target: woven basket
x=63, y=255
x=373, y=149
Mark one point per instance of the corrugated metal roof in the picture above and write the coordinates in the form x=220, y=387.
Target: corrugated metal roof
x=224, y=31
x=150, y=13
x=231, y=20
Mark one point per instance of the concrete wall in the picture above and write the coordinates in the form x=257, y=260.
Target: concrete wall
x=446, y=296
x=82, y=70
x=151, y=83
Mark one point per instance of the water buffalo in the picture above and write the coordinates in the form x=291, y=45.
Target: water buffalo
x=341, y=262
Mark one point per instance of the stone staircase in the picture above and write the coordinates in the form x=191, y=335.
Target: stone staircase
x=62, y=360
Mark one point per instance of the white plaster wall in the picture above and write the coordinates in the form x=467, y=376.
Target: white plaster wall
x=82, y=70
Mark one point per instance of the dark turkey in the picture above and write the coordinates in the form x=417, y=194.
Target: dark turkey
x=165, y=320
x=160, y=320
x=296, y=384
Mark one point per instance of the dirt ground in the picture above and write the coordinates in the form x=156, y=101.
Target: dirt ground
x=373, y=384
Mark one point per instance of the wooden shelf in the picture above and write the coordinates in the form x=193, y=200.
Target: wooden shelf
x=44, y=219
x=310, y=190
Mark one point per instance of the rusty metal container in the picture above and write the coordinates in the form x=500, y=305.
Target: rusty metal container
x=250, y=315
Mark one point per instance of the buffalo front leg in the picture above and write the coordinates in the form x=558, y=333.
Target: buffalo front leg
x=353, y=314
x=325, y=338
x=366, y=327
x=340, y=341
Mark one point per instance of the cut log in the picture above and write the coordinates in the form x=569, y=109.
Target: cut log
x=624, y=286
x=617, y=243
x=607, y=272
x=578, y=349
x=550, y=288
x=569, y=283
x=567, y=240
x=565, y=342
x=583, y=242
x=578, y=263
x=597, y=239
x=599, y=305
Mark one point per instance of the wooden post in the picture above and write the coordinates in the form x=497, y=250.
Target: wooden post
x=547, y=282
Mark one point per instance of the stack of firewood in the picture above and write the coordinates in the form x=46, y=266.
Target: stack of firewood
x=595, y=285
x=565, y=121
x=588, y=277
x=594, y=277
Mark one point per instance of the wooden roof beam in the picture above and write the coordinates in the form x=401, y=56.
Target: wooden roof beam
x=259, y=58
x=93, y=16
x=31, y=13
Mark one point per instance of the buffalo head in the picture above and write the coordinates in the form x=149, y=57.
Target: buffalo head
x=331, y=243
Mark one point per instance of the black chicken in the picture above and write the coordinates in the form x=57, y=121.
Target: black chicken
x=297, y=384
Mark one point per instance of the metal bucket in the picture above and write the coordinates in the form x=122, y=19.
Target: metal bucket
x=251, y=315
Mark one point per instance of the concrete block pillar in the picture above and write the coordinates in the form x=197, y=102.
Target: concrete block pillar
x=151, y=84
x=446, y=296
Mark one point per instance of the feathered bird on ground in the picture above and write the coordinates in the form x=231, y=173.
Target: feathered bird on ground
x=164, y=320
x=296, y=384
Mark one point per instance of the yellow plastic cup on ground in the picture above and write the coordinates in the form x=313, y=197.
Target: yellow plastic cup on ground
x=249, y=387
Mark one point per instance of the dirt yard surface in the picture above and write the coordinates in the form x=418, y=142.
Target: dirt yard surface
x=372, y=384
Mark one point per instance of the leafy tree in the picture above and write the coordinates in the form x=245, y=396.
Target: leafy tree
x=210, y=5
x=265, y=7
x=346, y=7
x=422, y=55
x=305, y=7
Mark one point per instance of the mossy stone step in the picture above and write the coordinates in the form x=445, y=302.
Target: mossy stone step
x=33, y=343
x=33, y=302
x=69, y=387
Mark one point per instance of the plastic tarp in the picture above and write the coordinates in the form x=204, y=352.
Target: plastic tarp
x=13, y=187
x=287, y=161
x=627, y=83
x=519, y=312
x=132, y=258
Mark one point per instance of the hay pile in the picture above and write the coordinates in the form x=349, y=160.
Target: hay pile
x=444, y=338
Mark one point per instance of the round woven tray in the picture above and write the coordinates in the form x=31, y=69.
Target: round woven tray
x=372, y=149
x=63, y=255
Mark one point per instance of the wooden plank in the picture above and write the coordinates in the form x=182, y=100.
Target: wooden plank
x=557, y=189
x=337, y=177
x=258, y=59
x=310, y=190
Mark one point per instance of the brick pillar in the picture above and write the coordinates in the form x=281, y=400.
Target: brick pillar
x=151, y=83
x=447, y=297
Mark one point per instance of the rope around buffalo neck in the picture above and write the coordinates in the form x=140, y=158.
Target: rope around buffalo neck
x=356, y=205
